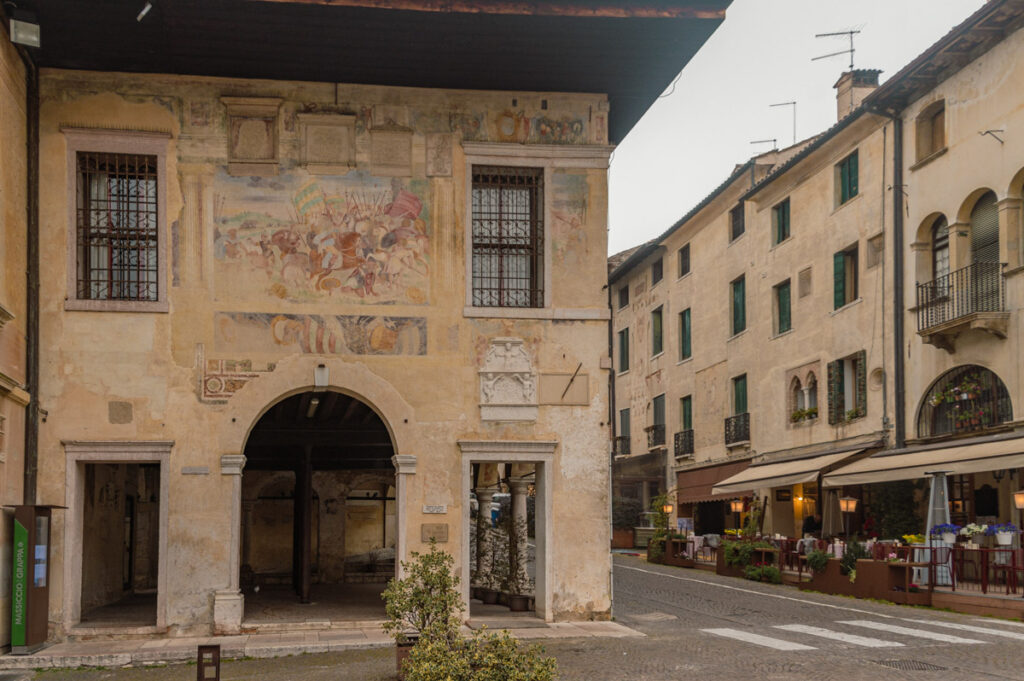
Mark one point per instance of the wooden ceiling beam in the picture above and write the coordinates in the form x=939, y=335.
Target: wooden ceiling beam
x=603, y=9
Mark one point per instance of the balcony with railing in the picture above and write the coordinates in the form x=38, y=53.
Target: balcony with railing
x=620, y=445
x=973, y=297
x=683, y=441
x=737, y=429
x=655, y=435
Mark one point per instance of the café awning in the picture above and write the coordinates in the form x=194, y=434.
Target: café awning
x=695, y=485
x=980, y=457
x=782, y=473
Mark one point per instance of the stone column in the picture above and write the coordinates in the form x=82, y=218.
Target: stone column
x=405, y=466
x=517, y=549
x=247, y=509
x=228, y=603
x=484, y=496
x=1011, y=241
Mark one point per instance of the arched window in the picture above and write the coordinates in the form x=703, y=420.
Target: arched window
x=796, y=394
x=812, y=393
x=931, y=130
x=964, y=399
x=985, y=229
x=940, y=248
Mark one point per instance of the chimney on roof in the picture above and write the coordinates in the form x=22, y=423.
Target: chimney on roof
x=851, y=89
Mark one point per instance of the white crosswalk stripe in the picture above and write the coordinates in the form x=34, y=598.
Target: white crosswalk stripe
x=907, y=631
x=971, y=628
x=757, y=639
x=840, y=636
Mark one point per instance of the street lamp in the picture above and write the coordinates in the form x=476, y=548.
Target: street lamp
x=1018, y=499
x=847, y=505
x=737, y=507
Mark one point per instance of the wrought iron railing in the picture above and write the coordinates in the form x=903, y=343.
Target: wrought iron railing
x=655, y=435
x=978, y=287
x=620, y=445
x=683, y=441
x=737, y=428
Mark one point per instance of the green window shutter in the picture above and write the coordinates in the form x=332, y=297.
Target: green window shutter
x=739, y=389
x=684, y=334
x=657, y=338
x=624, y=350
x=739, y=306
x=659, y=410
x=854, y=171
x=862, y=382
x=687, y=413
x=839, y=280
x=835, y=392
x=624, y=423
x=785, y=212
x=784, y=319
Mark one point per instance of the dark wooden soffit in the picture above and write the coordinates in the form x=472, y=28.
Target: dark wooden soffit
x=652, y=9
x=631, y=59
x=972, y=38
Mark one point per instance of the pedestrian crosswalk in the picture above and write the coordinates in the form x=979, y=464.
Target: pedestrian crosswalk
x=913, y=631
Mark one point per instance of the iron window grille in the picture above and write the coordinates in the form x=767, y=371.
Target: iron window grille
x=684, y=443
x=655, y=435
x=976, y=288
x=737, y=428
x=508, y=237
x=116, y=224
x=621, y=445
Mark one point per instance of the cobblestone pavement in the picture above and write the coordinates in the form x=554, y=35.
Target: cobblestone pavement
x=702, y=626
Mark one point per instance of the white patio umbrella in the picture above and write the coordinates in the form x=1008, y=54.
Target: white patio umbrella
x=831, y=517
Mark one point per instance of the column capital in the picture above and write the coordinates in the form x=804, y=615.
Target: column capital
x=1009, y=202
x=519, y=485
x=405, y=464
x=232, y=464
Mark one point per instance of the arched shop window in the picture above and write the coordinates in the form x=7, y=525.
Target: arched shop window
x=964, y=399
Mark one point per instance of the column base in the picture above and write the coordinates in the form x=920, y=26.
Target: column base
x=228, y=606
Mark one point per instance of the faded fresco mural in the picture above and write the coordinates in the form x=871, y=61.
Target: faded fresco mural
x=569, y=213
x=264, y=332
x=352, y=238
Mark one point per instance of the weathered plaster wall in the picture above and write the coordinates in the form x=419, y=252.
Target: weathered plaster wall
x=985, y=95
x=250, y=318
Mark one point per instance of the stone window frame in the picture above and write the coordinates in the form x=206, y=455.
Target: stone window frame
x=101, y=140
x=77, y=455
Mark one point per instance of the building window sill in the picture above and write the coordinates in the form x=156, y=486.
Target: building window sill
x=685, y=360
x=928, y=159
x=80, y=305
x=571, y=314
x=684, y=276
x=855, y=301
x=736, y=335
x=841, y=206
x=781, y=335
x=778, y=244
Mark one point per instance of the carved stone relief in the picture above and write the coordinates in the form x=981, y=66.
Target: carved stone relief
x=508, y=382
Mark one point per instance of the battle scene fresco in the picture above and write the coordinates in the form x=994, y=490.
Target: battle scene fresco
x=265, y=332
x=304, y=238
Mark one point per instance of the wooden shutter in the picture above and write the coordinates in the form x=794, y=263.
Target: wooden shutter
x=624, y=426
x=684, y=260
x=623, y=350
x=862, y=382
x=687, y=413
x=657, y=338
x=835, y=392
x=853, y=173
x=739, y=305
x=684, y=334
x=739, y=389
x=985, y=230
x=839, y=280
x=784, y=319
x=659, y=410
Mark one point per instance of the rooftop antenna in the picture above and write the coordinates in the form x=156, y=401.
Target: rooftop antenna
x=849, y=34
x=792, y=104
x=775, y=145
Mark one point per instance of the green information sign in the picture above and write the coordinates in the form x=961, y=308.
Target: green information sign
x=19, y=597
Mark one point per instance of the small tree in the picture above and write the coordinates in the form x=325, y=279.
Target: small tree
x=626, y=513
x=660, y=521
x=426, y=601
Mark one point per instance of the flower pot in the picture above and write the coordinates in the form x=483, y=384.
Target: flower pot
x=489, y=596
x=518, y=603
x=1004, y=538
x=502, y=598
x=949, y=537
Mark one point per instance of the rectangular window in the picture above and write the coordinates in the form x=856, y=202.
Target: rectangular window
x=117, y=224
x=736, y=224
x=739, y=395
x=684, y=260
x=657, y=337
x=624, y=423
x=624, y=296
x=783, y=322
x=739, y=305
x=846, y=179
x=508, y=237
x=780, y=222
x=686, y=413
x=685, y=351
x=844, y=280
x=847, y=388
x=623, y=350
x=656, y=271
x=658, y=410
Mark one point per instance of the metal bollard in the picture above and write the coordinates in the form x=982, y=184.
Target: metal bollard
x=208, y=663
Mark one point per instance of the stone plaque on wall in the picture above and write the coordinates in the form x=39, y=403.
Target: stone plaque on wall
x=508, y=382
x=252, y=135
x=391, y=153
x=328, y=143
x=438, y=531
x=564, y=389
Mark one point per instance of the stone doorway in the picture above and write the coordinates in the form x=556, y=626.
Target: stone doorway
x=319, y=516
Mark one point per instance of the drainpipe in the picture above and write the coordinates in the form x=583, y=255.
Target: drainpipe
x=32, y=275
x=899, y=380
x=613, y=427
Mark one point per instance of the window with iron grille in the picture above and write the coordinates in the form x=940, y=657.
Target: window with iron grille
x=117, y=227
x=508, y=237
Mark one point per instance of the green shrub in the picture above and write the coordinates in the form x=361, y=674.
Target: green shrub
x=817, y=560
x=763, y=573
x=485, y=657
x=626, y=513
x=426, y=601
x=741, y=553
x=854, y=551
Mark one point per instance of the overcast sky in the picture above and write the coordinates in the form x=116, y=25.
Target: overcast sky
x=689, y=141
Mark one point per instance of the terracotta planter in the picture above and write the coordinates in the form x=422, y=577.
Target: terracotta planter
x=489, y=596
x=518, y=603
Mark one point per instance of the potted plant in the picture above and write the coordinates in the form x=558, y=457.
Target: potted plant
x=798, y=415
x=946, y=532
x=1003, y=532
x=425, y=603
x=811, y=412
